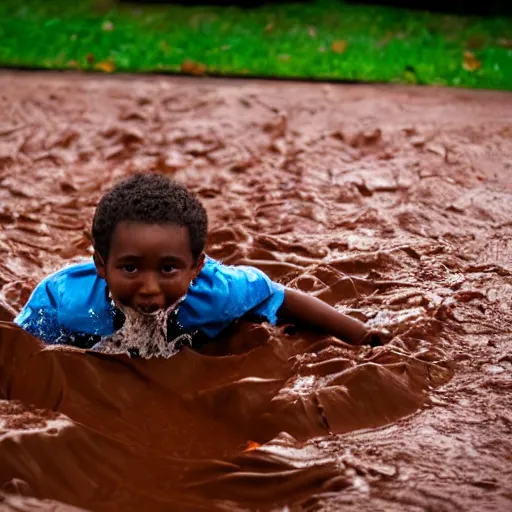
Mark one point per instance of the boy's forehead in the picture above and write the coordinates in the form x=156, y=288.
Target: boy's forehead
x=140, y=238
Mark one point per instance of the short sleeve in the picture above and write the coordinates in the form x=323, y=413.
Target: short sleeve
x=267, y=310
x=222, y=294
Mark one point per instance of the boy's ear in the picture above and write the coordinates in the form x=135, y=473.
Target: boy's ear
x=200, y=263
x=100, y=264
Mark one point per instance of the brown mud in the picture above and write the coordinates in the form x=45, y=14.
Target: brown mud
x=393, y=204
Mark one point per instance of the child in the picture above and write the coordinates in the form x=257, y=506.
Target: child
x=149, y=235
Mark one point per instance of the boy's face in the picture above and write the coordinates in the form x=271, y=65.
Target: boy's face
x=150, y=266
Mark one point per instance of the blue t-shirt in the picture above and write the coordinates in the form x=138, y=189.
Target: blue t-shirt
x=73, y=302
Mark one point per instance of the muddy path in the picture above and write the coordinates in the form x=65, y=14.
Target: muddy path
x=393, y=204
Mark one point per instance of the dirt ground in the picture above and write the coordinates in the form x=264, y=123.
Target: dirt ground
x=394, y=204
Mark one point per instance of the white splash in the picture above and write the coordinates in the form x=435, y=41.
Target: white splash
x=145, y=334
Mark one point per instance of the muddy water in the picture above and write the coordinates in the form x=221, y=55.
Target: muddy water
x=392, y=204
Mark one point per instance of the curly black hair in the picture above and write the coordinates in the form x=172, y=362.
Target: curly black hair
x=149, y=198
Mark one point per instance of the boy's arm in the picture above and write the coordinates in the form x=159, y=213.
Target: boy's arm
x=309, y=311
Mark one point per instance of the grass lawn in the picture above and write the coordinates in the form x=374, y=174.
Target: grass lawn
x=326, y=39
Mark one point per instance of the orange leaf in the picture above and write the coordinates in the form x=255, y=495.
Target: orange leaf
x=252, y=445
x=269, y=28
x=470, y=62
x=193, y=68
x=339, y=46
x=107, y=66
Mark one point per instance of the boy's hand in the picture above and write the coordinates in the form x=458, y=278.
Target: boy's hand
x=376, y=338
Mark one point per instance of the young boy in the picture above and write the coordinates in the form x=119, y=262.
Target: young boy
x=149, y=235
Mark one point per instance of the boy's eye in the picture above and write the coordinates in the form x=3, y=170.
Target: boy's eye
x=167, y=268
x=130, y=268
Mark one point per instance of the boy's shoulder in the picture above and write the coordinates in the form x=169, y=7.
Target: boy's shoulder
x=223, y=293
x=73, y=298
x=72, y=274
x=221, y=275
x=69, y=287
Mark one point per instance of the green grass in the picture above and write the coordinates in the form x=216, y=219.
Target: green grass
x=283, y=40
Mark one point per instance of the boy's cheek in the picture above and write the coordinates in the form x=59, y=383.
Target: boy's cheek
x=122, y=292
x=175, y=292
x=178, y=288
x=121, y=299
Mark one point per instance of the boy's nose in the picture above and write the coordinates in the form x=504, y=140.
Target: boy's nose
x=150, y=286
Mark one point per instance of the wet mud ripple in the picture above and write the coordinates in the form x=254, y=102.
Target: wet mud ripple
x=385, y=209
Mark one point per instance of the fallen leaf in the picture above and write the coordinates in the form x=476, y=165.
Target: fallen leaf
x=252, y=445
x=269, y=28
x=339, y=46
x=90, y=58
x=312, y=31
x=107, y=26
x=193, y=68
x=470, y=62
x=107, y=66
x=505, y=43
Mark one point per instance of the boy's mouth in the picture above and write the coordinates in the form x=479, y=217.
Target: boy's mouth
x=148, y=309
x=153, y=309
